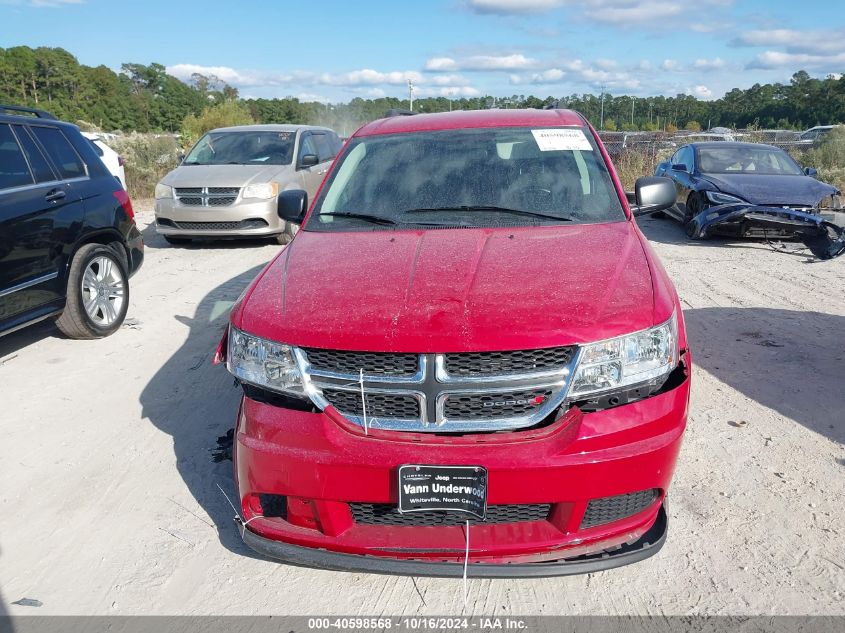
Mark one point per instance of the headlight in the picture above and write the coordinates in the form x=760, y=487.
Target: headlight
x=263, y=363
x=626, y=361
x=717, y=197
x=264, y=191
x=163, y=191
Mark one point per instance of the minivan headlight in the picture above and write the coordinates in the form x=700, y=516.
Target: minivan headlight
x=626, y=361
x=263, y=191
x=163, y=191
x=263, y=363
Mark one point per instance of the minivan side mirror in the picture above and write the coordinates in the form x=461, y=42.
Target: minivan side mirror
x=653, y=194
x=812, y=172
x=308, y=160
x=292, y=205
x=180, y=157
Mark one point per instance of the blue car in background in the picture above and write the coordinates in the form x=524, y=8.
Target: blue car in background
x=752, y=190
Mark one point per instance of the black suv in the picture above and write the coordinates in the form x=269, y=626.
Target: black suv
x=68, y=240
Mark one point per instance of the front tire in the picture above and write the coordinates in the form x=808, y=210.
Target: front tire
x=695, y=205
x=97, y=294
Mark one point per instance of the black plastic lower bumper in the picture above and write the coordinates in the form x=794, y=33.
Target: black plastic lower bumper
x=647, y=546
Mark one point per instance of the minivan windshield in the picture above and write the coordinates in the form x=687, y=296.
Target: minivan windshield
x=243, y=148
x=510, y=176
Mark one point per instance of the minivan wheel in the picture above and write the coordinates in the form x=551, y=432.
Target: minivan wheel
x=97, y=294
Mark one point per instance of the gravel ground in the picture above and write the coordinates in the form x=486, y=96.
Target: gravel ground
x=110, y=503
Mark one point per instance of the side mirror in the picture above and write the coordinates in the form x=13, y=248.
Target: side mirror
x=180, y=157
x=680, y=167
x=292, y=205
x=812, y=172
x=652, y=194
x=308, y=160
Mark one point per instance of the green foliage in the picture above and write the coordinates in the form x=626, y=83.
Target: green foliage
x=148, y=158
x=829, y=158
x=221, y=115
x=693, y=126
x=610, y=125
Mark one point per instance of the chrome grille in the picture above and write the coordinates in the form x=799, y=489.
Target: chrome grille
x=418, y=392
x=504, y=363
x=387, y=514
x=207, y=196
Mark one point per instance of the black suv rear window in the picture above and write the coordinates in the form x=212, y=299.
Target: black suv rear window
x=39, y=165
x=14, y=172
x=61, y=151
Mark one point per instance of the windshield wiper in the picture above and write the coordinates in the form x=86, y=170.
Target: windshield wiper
x=489, y=207
x=375, y=219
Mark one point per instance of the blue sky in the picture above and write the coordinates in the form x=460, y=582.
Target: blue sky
x=333, y=51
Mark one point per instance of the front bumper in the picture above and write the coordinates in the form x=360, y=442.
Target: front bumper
x=322, y=466
x=241, y=219
x=648, y=545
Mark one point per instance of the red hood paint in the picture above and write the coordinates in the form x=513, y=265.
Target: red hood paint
x=455, y=290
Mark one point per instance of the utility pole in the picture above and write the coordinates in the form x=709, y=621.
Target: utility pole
x=632, y=110
x=601, y=118
x=410, y=95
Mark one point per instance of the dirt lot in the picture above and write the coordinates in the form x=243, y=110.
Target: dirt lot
x=109, y=501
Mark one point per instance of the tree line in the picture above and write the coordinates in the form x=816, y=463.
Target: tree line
x=145, y=98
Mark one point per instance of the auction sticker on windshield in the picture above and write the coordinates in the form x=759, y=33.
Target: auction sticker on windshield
x=559, y=139
x=447, y=488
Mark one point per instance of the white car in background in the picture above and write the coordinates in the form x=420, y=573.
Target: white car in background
x=111, y=159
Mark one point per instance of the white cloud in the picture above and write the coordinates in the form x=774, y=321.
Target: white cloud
x=709, y=64
x=700, y=91
x=670, y=65
x=441, y=63
x=42, y=4
x=510, y=7
x=515, y=61
x=777, y=59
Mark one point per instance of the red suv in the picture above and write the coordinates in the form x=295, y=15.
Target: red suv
x=469, y=352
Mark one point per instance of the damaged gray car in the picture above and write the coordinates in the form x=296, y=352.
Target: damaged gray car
x=753, y=190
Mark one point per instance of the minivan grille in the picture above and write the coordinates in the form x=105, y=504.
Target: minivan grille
x=453, y=392
x=372, y=363
x=504, y=405
x=401, y=406
x=504, y=363
x=387, y=514
x=207, y=196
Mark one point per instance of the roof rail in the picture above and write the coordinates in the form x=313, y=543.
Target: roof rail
x=41, y=114
x=398, y=112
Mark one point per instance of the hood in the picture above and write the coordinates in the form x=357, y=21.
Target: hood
x=453, y=290
x=772, y=190
x=222, y=175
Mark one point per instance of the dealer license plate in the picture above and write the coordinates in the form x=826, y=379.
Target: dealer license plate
x=447, y=488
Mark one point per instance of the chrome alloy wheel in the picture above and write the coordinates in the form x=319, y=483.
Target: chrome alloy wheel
x=103, y=291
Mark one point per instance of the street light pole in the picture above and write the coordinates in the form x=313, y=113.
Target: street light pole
x=601, y=118
x=410, y=95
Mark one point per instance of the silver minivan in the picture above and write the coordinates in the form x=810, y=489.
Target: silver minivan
x=228, y=183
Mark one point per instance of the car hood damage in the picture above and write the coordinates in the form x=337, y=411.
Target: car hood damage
x=767, y=190
x=825, y=239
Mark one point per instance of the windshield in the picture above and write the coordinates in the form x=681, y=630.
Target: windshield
x=751, y=160
x=471, y=177
x=243, y=148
